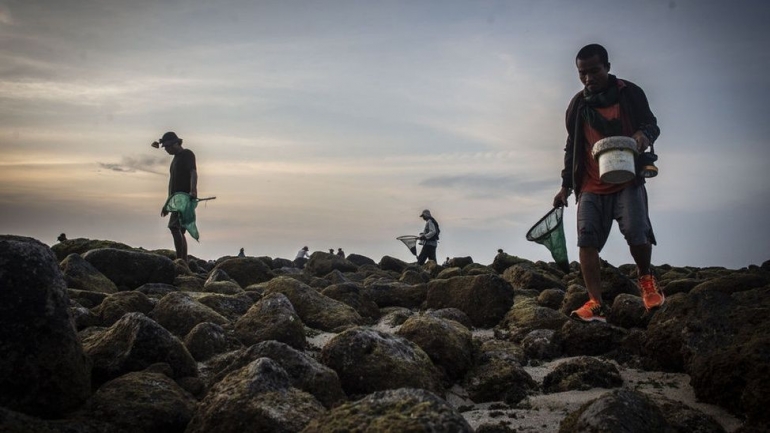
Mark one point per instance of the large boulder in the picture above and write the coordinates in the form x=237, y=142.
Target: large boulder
x=134, y=343
x=622, y=410
x=17, y=422
x=400, y=410
x=684, y=418
x=734, y=282
x=396, y=294
x=141, y=402
x=722, y=340
x=85, y=298
x=413, y=276
x=541, y=344
x=206, y=340
x=367, y=360
x=460, y=262
x=497, y=375
x=590, y=339
x=131, y=269
x=354, y=295
x=451, y=314
x=388, y=263
x=246, y=270
x=484, y=298
x=304, y=371
x=628, y=311
x=232, y=307
x=526, y=315
x=81, y=246
x=360, y=260
x=81, y=275
x=316, y=310
x=503, y=261
x=272, y=318
x=322, y=263
x=258, y=397
x=115, y=306
x=43, y=370
x=158, y=290
x=582, y=373
x=527, y=276
x=178, y=312
x=448, y=343
x=477, y=269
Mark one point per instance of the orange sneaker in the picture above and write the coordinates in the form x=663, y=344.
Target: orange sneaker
x=589, y=312
x=651, y=294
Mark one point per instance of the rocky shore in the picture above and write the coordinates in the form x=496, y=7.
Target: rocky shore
x=99, y=336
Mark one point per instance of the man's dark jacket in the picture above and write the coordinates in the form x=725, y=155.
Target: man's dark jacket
x=635, y=115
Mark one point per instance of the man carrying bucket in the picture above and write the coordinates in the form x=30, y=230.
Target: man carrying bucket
x=607, y=107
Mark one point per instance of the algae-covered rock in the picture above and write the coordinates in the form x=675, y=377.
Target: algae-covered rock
x=367, y=360
x=400, y=410
x=258, y=397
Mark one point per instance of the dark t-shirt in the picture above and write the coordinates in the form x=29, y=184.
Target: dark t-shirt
x=181, y=165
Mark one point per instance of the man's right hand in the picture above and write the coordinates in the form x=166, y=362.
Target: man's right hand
x=561, y=198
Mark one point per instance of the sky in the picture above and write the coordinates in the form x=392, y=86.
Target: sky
x=333, y=124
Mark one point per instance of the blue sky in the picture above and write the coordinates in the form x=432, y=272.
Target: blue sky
x=334, y=123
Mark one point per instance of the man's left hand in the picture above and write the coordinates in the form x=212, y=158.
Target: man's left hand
x=642, y=142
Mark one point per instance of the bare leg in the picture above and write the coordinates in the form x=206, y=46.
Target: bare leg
x=180, y=243
x=642, y=255
x=590, y=267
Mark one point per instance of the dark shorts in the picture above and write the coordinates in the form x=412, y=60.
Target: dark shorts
x=628, y=207
x=174, y=223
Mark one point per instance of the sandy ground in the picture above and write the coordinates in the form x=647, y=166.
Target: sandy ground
x=544, y=412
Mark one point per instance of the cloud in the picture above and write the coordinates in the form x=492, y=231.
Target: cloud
x=5, y=16
x=129, y=164
x=483, y=185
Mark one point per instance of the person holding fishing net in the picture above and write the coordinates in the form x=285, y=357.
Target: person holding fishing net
x=613, y=115
x=428, y=239
x=182, y=192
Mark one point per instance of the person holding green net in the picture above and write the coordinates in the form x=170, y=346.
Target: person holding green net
x=184, y=178
x=607, y=106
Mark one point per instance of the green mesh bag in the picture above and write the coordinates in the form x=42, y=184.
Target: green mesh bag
x=184, y=204
x=549, y=231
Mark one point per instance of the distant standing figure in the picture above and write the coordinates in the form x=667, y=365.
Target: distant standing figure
x=184, y=178
x=331, y=250
x=241, y=253
x=340, y=253
x=62, y=237
x=428, y=238
x=302, y=257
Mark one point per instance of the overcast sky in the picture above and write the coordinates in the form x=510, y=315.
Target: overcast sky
x=334, y=123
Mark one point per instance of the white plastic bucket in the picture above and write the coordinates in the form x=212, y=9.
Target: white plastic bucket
x=616, y=159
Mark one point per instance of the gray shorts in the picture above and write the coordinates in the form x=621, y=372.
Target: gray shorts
x=628, y=207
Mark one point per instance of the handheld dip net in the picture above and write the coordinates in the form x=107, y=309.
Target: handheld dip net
x=549, y=231
x=184, y=204
x=410, y=241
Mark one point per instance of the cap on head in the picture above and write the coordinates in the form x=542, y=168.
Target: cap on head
x=425, y=214
x=169, y=139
